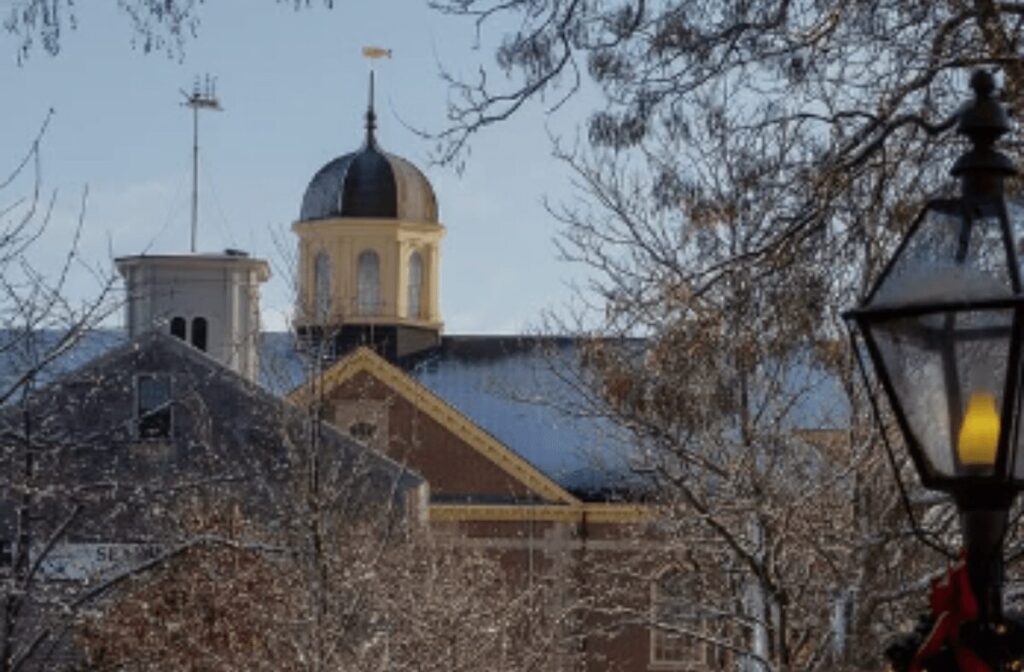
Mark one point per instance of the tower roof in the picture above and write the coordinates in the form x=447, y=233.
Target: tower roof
x=371, y=183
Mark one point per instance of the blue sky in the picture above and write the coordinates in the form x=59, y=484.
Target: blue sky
x=294, y=87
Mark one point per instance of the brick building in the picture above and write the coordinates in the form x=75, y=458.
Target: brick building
x=493, y=423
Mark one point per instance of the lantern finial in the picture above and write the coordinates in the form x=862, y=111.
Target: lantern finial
x=983, y=120
x=983, y=83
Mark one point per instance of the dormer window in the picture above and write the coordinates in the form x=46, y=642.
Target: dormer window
x=153, y=406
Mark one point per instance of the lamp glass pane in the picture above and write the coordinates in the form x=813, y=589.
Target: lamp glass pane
x=1017, y=458
x=947, y=370
x=940, y=264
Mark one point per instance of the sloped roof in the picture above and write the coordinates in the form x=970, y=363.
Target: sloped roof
x=228, y=435
x=512, y=463
x=112, y=352
x=529, y=394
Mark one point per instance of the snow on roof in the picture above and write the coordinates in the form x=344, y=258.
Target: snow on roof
x=528, y=392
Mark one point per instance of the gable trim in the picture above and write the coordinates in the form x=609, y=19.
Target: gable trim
x=595, y=513
x=365, y=360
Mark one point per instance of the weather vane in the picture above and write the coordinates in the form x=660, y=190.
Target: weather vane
x=376, y=52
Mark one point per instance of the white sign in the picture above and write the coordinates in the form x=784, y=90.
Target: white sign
x=77, y=562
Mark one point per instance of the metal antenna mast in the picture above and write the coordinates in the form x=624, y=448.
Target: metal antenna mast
x=202, y=98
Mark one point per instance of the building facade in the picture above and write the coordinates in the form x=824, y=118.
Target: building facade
x=486, y=420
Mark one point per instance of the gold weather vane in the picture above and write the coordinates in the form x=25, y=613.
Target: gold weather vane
x=376, y=52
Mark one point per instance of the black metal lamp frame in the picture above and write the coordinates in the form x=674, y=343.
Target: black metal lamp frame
x=969, y=491
x=983, y=500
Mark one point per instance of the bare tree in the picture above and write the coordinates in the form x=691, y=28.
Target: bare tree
x=39, y=324
x=747, y=170
x=156, y=25
x=326, y=574
x=414, y=605
x=834, y=112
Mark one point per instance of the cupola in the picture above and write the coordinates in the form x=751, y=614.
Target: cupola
x=369, y=252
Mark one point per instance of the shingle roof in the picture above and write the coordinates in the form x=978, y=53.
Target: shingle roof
x=528, y=392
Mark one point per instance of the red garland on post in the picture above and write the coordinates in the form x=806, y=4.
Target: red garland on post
x=954, y=637
x=953, y=604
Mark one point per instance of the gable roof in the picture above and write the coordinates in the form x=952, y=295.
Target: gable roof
x=521, y=390
x=531, y=394
x=189, y=361
x=365, y=360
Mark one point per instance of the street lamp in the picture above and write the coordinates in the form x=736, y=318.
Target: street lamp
x=943, y=326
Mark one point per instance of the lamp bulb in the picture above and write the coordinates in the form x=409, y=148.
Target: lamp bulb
x=979, y=433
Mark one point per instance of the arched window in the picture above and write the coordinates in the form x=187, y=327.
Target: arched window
x=415, y=285
x=199, y=333
x=368, y=283
x=322, y=284
x=178, y=327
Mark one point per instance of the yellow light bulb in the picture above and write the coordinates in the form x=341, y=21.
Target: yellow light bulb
x=979, y=433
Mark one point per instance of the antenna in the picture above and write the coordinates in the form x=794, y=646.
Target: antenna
x=203, y=97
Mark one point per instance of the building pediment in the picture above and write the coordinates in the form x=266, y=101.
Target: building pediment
x=357, y=378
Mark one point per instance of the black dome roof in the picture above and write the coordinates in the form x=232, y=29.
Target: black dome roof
x=369, y=183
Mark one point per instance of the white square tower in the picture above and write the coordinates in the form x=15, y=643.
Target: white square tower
x=211, y=301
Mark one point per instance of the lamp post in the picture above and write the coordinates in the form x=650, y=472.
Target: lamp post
x=943, y=326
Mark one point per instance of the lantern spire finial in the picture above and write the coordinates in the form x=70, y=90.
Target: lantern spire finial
x=982, y=121
x=983, y=83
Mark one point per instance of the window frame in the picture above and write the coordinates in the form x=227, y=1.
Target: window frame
x=176, y=321
x=200, y=326
x=138, y=416
x=662, y=639
x=365, y=291
x=322, y=278
x=362, y=432
x=414, y=290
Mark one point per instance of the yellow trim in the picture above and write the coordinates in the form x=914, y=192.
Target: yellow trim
x=407, y=228
x=343, y=239
x=364, y=359
x=618, y=513
x=594, y=513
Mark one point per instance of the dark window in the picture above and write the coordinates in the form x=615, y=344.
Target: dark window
x=199, y=333
x=154, y=409
x=6, y=556
x=362, y=431
x=178, y=327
